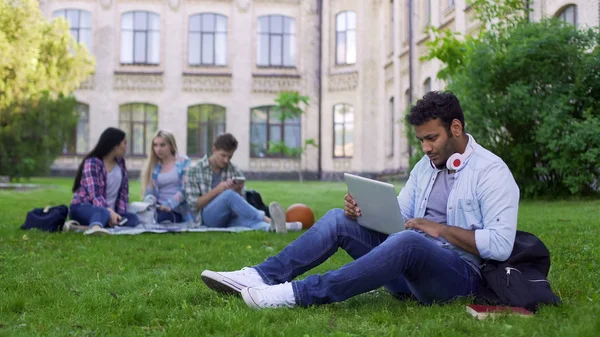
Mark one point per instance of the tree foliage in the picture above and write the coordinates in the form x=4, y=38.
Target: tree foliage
x=37, y=56
x=40, y=65
x=290, y=105
x=532, y=96
x=31, y=140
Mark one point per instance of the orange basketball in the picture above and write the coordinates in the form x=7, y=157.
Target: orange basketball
x=302, y=213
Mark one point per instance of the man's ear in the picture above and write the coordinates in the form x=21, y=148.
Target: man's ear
x=456, y=128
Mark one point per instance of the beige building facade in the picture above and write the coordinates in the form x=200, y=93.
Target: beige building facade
x=202, y=67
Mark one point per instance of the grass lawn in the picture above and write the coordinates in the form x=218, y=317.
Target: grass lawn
x=74, y=285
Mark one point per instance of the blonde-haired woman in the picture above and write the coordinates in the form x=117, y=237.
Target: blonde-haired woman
x=162, y=179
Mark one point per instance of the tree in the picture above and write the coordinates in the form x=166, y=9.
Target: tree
x=30, y=141
x=40, y=65
x=495, y=18
x=37, y=57
x=290, y=106
x=532, y=96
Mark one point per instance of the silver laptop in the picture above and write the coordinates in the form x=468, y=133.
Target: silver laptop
x=377, y=202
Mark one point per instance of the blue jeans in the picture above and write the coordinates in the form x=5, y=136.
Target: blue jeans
x=87, y=215
x=406, y=263
x=171, y=216
x=229, y=209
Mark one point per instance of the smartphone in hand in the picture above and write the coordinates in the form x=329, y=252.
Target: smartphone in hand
x=239, y=180
x=123, y=221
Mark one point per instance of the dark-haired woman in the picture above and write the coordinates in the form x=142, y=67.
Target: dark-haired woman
x=101, y=187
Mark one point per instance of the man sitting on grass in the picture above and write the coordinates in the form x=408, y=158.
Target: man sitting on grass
x=213, y=188
x=461, y=202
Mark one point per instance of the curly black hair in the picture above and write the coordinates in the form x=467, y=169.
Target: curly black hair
x=436, y=105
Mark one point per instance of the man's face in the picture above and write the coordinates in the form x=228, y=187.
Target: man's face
x=437, y=144
x=221, y=158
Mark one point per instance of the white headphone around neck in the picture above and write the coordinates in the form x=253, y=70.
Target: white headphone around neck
x=457, y=160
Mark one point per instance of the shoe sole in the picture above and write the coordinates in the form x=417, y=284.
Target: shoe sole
x=278, y=217
x=221, y=284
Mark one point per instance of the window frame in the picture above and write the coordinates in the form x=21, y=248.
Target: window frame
x=214, y=127
x=130, y=130
x=63, y=12
x=345, y=31
x=146, y=32
x=292, y=44
x=82, y=121
x=268, y=124
x=215, y=32
x=562, y=14
x=344, y=123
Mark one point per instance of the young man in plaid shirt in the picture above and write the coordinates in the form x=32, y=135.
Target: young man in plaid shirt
x=214, y=190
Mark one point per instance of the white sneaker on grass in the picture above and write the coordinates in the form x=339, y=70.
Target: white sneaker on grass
x=96, y=230
x=277, y=296
x=232, y=282
x=277, y=218
x=294, y=226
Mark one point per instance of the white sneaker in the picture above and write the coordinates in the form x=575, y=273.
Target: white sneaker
x=277, y=218
x=70, y=225
x=294, y=226
x=277, y=296
x=232, y=282
x=96, y=230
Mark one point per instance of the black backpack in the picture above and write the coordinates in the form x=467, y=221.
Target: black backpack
x=255, y=200
x=49, y=219
x=520, y=281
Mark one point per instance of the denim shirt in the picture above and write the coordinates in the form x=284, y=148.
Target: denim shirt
x=178, y=202
x=484, y=199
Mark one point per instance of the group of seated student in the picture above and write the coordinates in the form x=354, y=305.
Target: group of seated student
x=209, y=192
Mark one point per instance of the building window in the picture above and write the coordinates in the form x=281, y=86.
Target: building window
x=205, y=123
x=140, y=38
x=392, y=128
x=568, y=14
x=345, y=38
x=81, y=134
x=276, y=41
x=80, y=25
x=207, y=43
x=427, y=85
x=140, y=122
x=266, y=126
x=343, y=131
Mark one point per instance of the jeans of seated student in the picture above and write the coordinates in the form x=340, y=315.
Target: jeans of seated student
x=406, y=263
x=172, y=216
x=229, y=209
x=88, y=215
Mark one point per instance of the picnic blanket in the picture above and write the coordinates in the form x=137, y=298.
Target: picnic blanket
x=171, y=228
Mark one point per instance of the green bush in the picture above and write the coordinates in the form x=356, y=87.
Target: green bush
x=532, y=96
x=33, y=135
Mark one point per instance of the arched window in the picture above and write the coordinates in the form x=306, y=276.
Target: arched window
x=140, y=122
x=343, y=130
x=81, y=134
x=345, y=38
x=207, y=40
x=568, y=14
x=276, y=41
x=266, y=126
x=80, y=24
x=205, y=123
x=140, y=38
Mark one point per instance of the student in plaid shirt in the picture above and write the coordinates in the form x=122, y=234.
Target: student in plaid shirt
x=214, y=189
x=101, y=187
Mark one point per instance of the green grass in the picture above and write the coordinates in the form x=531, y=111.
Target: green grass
x=73, y=285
